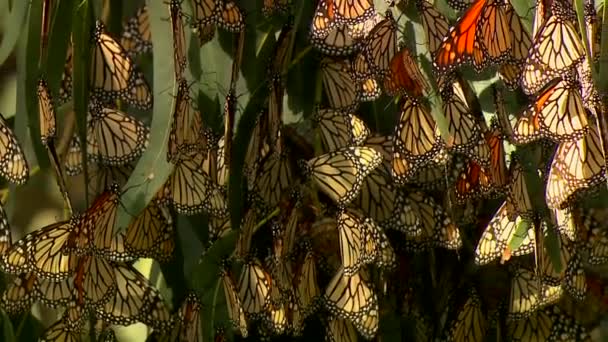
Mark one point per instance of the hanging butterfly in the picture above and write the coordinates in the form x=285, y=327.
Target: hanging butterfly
x=510, y=71
x=254, y=288
x=404, y=76
x=529, y=294
x=113, y=74
x=339, y=130
x=187, y=134
x=180, y=60
x=465, y=130
x=417, y=141
x=151, y=234
x=498, y=238
x=481, y=37
x=136, y=36
x=380, y=46
x=434, y=23
x=342, y=90
x=576, y=167
x=548, y=324
x=557, y=114
x=556, y=48
x=114, y=138
x=352, y=298
x=340, y=174
x=13, y=165
x=425, y=224
x=470, y=323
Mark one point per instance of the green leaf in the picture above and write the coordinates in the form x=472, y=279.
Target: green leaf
x=59, y=37
x=12, y=28
x=152, y=170
x=553, y=248
x=7, y=328
x=520, y=235
x=31, y=78
x=206, y=278
x=81, y=38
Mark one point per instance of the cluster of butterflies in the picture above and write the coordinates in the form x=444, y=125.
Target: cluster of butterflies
x=356, y=226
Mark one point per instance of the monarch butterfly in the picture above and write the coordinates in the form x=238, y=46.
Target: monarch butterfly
x=465, y=131
x=93, y=281
x=380, y=45
x=404, y=76
x=67, y=328
x=470, y=324
x=254, y=288
x=191, y=190
x=205, y=33
x=575, y=281
x=20, y=293
x=73, y=158
x=477, y=181
x=548, y=324
x=528, y=294
x=44, y=251
x=136, y=37
x=518, y=200
x=351, y=298
x=276, y=320
x=233, y=303
x=231, y=18
x=351, y=233
x=425, y=223
x=341, y=89
x=179, y=39
x=271, y=7
x=55, y=293
x=551, y=272
x=65, y=90
x=306, y=287
x=480, y=36
x=134, y=300
x=13, y=165
x=557, y=114
x=6, y=240
x=576, y=167
x=114, y=75
x=209, y=12
x=26, y=289
x=275, y=112
x=340, y=330
x=102, y=177
x=339, y=130
x=187, y=133
x=496, y=240
x=434, y=23
x=46, y=111
x=340, y=174
x=370, y=90
x=337, y=41
x=98, y=226
x=417, y=141
x=556, y=48
x=564, y=223
x=377, y=197
x=598, y=241
x=510, y=71
x=273, y=180
x=151, y=233
x=330, y=12
x=115, y=138
x=377, y=248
